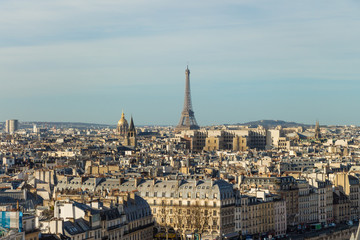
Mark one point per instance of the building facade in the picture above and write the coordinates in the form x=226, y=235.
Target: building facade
x=205, y=207
x=11, y=125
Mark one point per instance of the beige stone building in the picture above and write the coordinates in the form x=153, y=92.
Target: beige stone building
x=203, y=206
x=262, y=213
x=128, y=218
x=324, y=192
x=280, y=224
x=94, y=169
x=283, y=144
x=255, y=216
x=351, y=187
x=211, y=140
x=285, y=187
x=214, y=143
x=174, y=203
x=341, y=206
x=218, y=139
x=308, y=203
x=240, y=143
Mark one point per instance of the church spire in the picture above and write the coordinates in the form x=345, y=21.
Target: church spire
x=131, y=127
x=131, y=137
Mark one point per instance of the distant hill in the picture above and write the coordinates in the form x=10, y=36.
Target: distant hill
x=273, y=123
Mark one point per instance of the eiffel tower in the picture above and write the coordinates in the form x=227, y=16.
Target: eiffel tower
x=187, y=119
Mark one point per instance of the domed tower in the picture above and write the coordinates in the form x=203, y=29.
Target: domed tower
x=122, y=126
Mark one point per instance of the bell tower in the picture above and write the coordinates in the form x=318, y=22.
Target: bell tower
x=131, y=135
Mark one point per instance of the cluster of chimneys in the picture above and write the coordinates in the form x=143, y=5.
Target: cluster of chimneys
x=126, y=198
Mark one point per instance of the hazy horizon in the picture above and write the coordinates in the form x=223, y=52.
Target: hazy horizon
x=174, y=125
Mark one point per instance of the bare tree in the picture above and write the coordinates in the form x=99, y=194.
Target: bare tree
x=193, y=218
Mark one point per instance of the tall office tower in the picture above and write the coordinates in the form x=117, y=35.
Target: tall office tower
x=11, y=125
x=317, y=130
x=187, y=119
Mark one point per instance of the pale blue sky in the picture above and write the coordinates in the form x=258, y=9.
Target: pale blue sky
x=87, y=60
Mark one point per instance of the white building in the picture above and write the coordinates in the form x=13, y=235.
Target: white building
x=11, y=125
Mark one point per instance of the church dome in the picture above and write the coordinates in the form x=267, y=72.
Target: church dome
x=122, y=121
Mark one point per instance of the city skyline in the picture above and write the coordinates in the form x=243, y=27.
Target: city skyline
x=86, y=61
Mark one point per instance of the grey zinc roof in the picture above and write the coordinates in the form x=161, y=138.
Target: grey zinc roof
x=211, y=189
x=218, y=189
x=137, y=210
x=73, y=228
x=79, y=183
